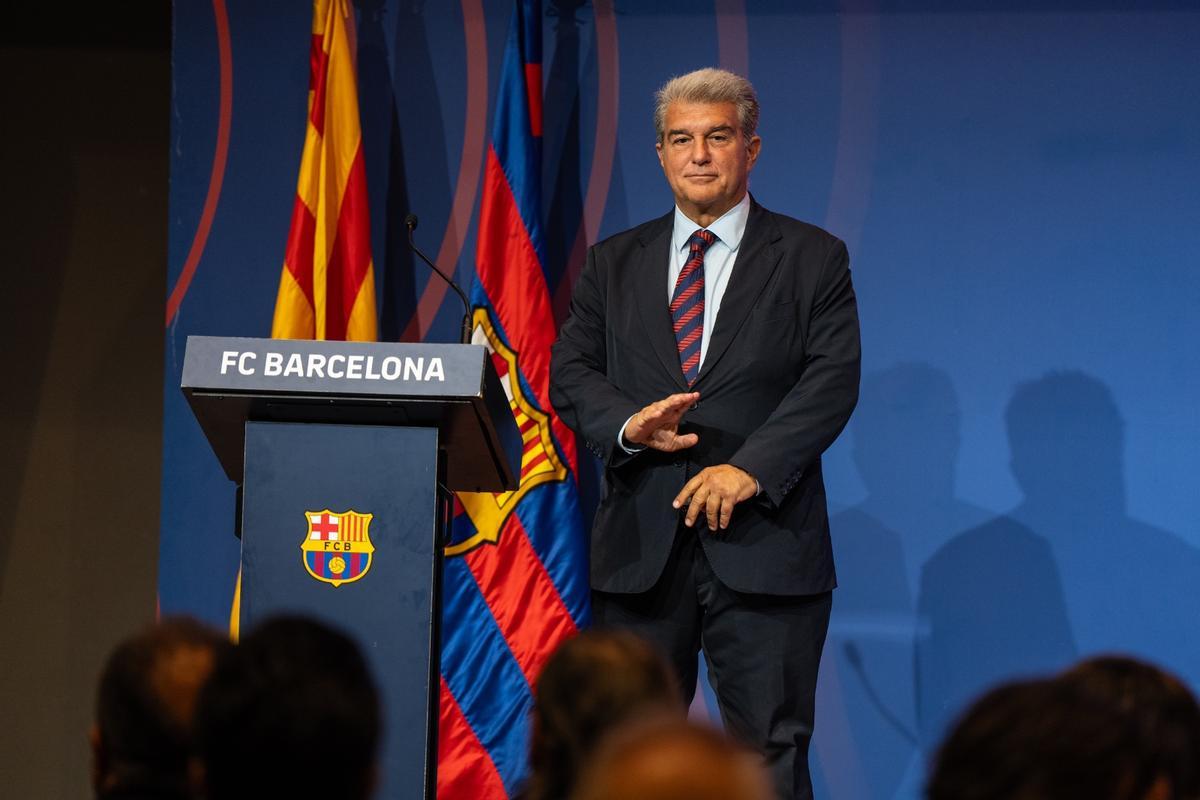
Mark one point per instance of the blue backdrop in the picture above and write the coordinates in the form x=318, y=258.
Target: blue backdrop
x=1016, y=183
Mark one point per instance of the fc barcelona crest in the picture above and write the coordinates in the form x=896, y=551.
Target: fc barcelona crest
x=337, y=548
x=540, y=459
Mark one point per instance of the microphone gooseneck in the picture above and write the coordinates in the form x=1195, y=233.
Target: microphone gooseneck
x=854, y=657
x=410, y=222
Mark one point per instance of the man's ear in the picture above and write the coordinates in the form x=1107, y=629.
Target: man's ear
x=754, y=148
x=658, y=149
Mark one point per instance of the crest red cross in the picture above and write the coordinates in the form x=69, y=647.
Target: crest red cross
x=324, y=526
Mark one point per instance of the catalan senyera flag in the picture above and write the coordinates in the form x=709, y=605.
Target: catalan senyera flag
x=327, y=289
x=515, y=582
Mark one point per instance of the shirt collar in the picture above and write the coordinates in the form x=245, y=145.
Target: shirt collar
x=729, y=228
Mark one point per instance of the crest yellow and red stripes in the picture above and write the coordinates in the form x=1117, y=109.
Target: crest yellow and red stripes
x=327, y=289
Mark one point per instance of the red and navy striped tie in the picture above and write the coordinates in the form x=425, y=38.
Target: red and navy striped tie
x=687, y=305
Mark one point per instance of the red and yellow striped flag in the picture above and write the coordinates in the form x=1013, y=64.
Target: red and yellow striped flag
x=327, y=290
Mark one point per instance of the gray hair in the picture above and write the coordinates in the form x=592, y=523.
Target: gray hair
x=709, y=85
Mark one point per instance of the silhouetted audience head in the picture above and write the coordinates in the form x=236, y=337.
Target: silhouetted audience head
x=590, y=685
x=1162, y=709
x=1042, y=740
x=293, y=712
x=672, y=760
x=145, y=703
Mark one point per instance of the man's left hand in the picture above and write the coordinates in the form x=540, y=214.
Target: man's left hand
x=714, y=492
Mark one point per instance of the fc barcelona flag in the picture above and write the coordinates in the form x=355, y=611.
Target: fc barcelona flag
x=515, y=582
x=327, y=289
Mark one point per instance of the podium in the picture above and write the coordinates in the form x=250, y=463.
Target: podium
x=346, y=455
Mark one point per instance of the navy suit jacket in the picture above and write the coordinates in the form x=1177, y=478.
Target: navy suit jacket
x=777, y=386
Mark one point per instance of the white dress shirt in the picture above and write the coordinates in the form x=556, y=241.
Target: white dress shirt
x=718, y=266
x=718, y=260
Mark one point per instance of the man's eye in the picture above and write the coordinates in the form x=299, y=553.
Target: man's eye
x=680, y=140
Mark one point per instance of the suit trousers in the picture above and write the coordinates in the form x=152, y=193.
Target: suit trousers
x=762, y=653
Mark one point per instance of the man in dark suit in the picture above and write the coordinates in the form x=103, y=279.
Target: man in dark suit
x=710, y=357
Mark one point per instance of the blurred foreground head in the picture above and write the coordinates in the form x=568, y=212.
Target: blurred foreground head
x=672, y=760
x=293, y=712
x=1049, y=739
x=145, y=703
x=1163, y=711
x=589, y=686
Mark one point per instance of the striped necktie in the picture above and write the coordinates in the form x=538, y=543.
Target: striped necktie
x=687, y=305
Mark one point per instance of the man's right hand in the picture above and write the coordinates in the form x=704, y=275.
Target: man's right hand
x=657, y=425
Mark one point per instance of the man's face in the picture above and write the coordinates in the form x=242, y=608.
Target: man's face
x=706, y=158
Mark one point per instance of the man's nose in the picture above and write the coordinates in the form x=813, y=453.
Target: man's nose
x=700, y=153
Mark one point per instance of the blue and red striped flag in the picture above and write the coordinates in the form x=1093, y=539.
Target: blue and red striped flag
x=516, y=581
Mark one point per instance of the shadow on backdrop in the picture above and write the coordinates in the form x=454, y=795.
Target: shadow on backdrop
x=1130, y=587
x=991, y=608
x=562, y=143
x=1067, y=573
x=384, y=150
x=616, y=205
x=906, y=435
x=562, y=181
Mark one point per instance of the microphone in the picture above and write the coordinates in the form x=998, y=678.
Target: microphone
x=854, y=657
x=410, y=222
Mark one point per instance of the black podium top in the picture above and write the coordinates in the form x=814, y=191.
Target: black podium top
x=451, y=387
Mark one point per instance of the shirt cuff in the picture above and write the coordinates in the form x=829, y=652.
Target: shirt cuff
x=621, y=438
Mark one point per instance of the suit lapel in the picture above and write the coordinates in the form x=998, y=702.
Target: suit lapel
x=650, y=274
x=756, y=261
